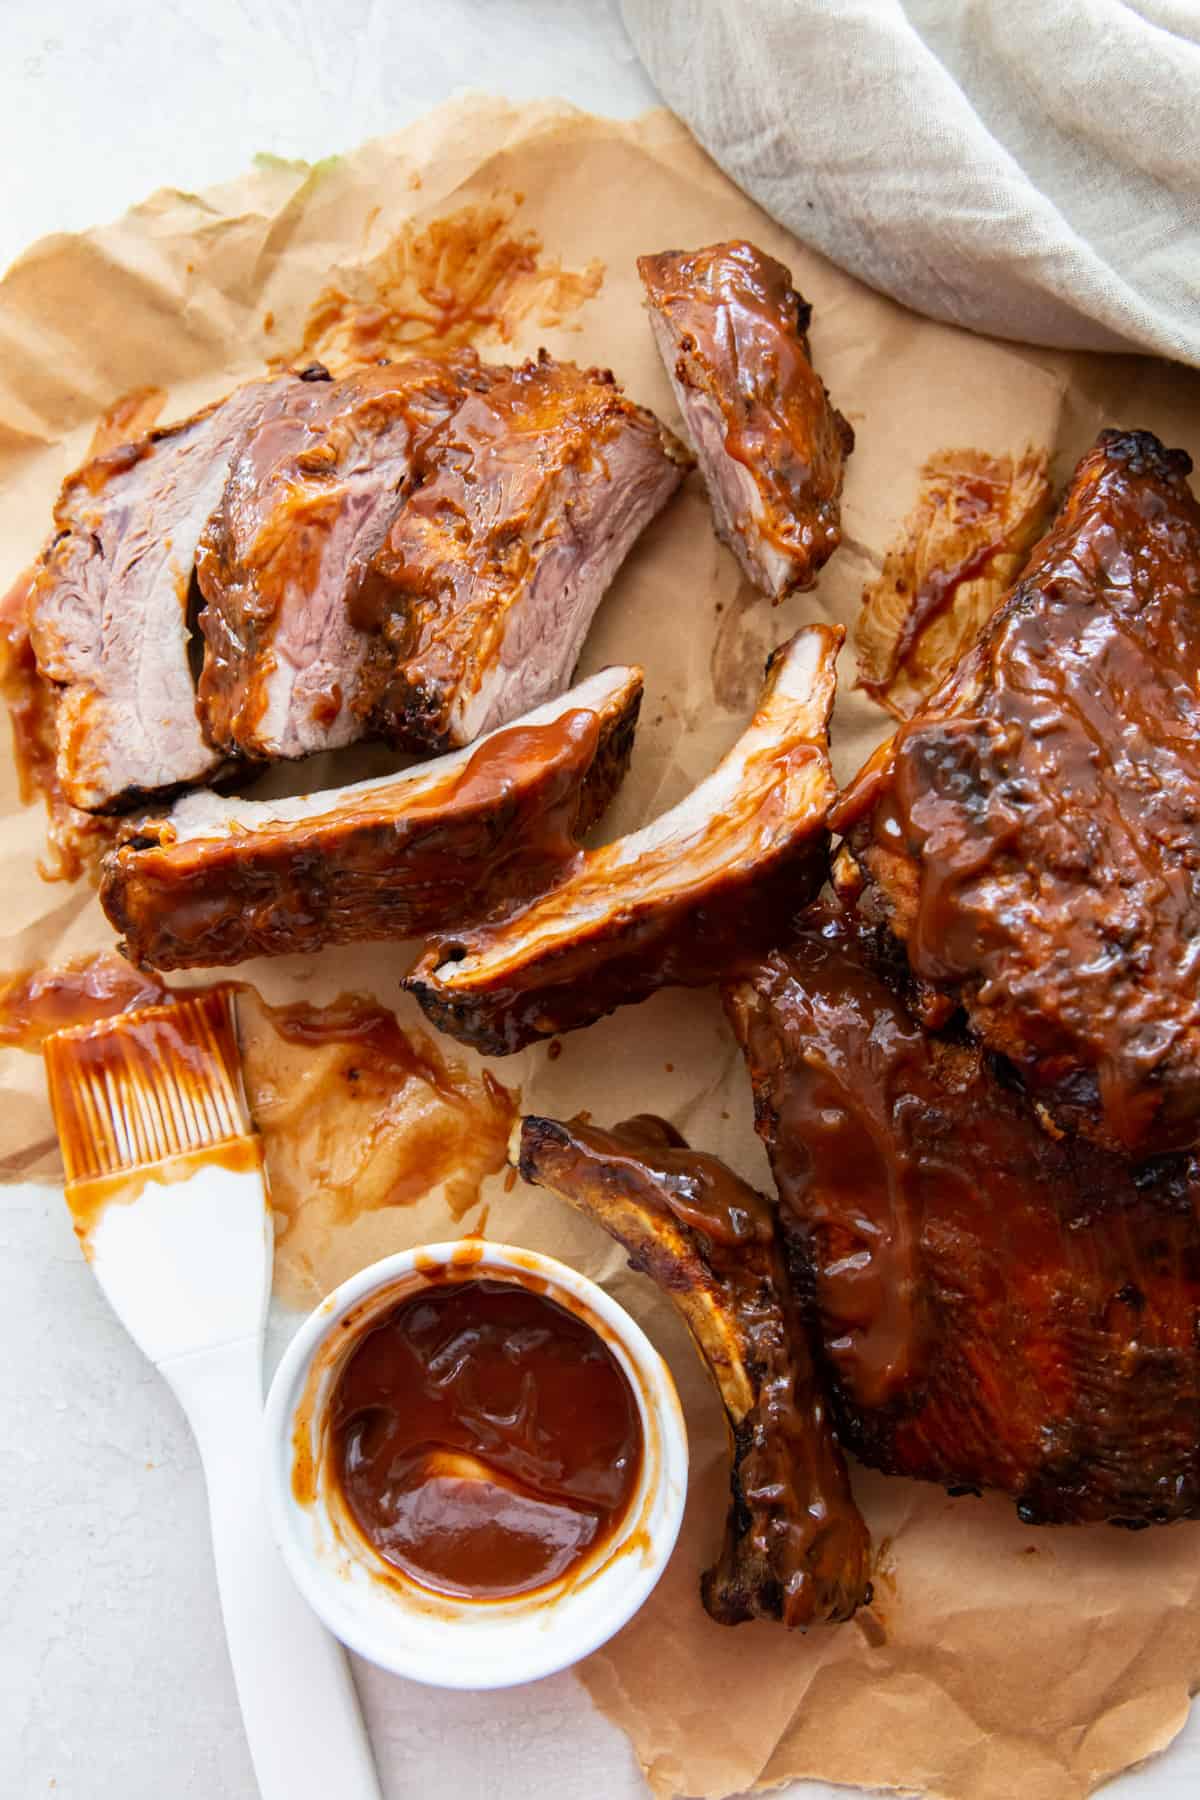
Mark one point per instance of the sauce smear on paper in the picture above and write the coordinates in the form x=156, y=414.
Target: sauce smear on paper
x=958, y=551
x=472, y=275
x=357, y=1115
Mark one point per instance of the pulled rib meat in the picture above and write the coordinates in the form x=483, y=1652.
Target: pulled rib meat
x=108, y=613
x=516, y=516
x=674, y=904
x=997, y=1307
x=733, y=333
x=1032, y=835
x=308, y=501
x=796, y=1548
x=221, y=880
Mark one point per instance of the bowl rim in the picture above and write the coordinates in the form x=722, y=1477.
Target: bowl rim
x=617, y=1589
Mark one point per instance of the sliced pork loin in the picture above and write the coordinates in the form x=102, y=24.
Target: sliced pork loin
x=517, y=515
x=677, y=903
x=733, y=333
x=309, y=498
x=221, y=880
x=108, y=613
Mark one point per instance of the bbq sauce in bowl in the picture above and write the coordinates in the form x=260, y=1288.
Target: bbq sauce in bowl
x=485, y=1440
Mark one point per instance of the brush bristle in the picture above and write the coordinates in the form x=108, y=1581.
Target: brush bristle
x=147, y=1085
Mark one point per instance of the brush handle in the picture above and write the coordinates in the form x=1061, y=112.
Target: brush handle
x=294, y=1686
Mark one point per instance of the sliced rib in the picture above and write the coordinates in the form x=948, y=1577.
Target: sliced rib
x=1032, y=835
x=517, y=515
x=221, y=880
x=109, y=608
x=733, y=333
x=997, y=1307
x=796, y=1548
x=309, y=497
x=674, y=904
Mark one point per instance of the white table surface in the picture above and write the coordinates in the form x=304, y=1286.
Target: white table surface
x=114, y=1684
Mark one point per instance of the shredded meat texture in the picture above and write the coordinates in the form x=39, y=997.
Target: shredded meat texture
x=307, y=502
x=516, y=518
x=222, y=880
x=674, y=904
x=1031, y=835
x=998, y=1307
x=109, y=609
x=733, y=334
x=960, y=549
x=796, y=1549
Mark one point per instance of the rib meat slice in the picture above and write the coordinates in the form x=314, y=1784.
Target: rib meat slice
x=221, y=880
x=517, y=515
x=308, y=501
x=109, y=608
x=676, y=903
x=796, y=1548
x=1032, y=835
x=732, y=331
x=998, y=1308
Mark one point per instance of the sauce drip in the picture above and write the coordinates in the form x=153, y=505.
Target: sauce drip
x=485, y=1439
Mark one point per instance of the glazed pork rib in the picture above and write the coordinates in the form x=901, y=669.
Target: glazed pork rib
x=997, y=1307
x=309, y=498
x=796, y=1548
x=108, y=613
x=733, y=333
x=674, y=904
x=516, y=517
x=1032, y=835
x=221, y=880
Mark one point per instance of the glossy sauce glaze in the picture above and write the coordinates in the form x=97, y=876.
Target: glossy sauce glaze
x=391, y=863
x=743, y=337
x=997, y=1306
x=484, y=1438
x=795, y=1547
x=1033, y=830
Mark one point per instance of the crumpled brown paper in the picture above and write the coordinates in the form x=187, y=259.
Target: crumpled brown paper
x=1016, y=1661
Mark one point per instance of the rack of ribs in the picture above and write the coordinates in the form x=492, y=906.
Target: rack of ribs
x=733, y=334
x=674, y=904
x=997, y=1307
x=1032, y=835
x=795, y=1548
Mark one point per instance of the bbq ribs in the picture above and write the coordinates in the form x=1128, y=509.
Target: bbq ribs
x=1032, y=834
x=733, y=334
x=109, y=607
x=675, y=903
x=220, y=880
x=517, y=515
x=997, y=1307
x=796, y=1548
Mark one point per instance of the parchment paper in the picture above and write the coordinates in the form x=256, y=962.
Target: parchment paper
x=1016, y=1661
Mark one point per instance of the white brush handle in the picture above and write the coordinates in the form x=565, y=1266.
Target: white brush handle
x=297, y=1697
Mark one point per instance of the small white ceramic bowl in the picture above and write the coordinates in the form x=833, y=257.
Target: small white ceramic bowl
x=367, y=1602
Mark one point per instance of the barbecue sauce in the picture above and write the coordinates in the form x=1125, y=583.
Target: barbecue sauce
x=485, y=1439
